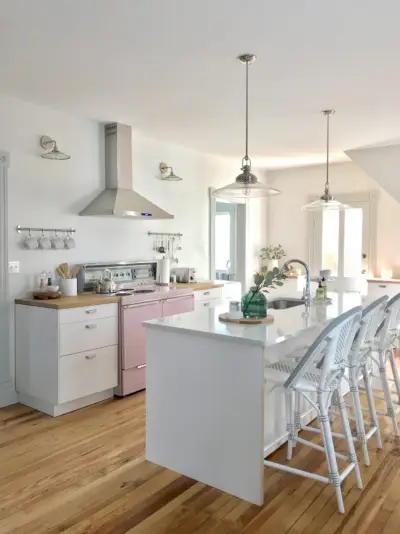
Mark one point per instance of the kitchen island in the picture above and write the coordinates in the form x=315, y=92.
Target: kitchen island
x=211, y=413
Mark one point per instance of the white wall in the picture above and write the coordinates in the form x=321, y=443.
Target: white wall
x=51, y=193
x=288, y=225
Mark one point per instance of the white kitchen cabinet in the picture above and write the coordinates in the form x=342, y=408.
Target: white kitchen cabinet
x=66, y=359
x=207, y=298
x=378, y=288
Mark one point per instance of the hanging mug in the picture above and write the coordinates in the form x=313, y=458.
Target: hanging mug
x=57, y=243
x=69, y=241
x=31, y=242
x=44, y=242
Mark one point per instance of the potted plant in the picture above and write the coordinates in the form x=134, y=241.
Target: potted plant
x=254, y=302
x=272, y=253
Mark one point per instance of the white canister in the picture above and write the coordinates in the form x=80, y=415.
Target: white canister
x=69, y=287
x=163, y=271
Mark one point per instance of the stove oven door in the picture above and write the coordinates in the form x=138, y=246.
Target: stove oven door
x=133, y=333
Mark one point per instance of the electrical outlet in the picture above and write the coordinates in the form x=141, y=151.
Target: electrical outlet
x=13, y=267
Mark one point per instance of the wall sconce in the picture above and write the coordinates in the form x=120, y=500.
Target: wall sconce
x=171, y=177
x=51, y=147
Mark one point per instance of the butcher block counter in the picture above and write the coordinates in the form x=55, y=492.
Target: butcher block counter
x=64, y=303
x=199, y=286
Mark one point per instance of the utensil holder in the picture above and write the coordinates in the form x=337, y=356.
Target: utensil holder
x=69, y=287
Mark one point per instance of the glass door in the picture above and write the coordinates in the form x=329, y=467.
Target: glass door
x=225, y=240
x=341, y=241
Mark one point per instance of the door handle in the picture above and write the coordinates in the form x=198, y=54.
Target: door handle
x=141, y=366
x=151, y=303
x=90, y=326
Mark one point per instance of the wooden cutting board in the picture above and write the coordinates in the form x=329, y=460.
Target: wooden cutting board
x=223, y=317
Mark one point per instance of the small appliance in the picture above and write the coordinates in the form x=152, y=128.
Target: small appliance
x=186, y=275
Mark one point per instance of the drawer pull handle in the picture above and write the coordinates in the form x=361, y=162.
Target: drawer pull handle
x=93, y=310
x=381, y=285
x=90, y=326
x=206, y=293
x=141, y=366
x=206, y=304
x=90, y=356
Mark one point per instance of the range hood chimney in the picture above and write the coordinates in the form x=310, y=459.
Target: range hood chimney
x=118, y=199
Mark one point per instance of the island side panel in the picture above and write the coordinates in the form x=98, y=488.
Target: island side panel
x=204, y=410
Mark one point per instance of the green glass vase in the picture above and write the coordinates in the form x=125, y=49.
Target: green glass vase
x=254, y=304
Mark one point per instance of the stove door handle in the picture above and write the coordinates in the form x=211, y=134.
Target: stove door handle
x=140, y=304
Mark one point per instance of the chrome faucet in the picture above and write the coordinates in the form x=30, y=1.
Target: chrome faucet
x=306, y=290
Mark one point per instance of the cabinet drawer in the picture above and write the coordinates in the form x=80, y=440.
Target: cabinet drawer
x=76, y=315
x=87, y=372
x=211, y=303
x=208, y=294
x=78, y=337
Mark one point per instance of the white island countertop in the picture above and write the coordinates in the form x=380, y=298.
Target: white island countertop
x=287, y=323
x=211, y=413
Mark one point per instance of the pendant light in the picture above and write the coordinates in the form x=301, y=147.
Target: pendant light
x=246, y=185
x=326, y=201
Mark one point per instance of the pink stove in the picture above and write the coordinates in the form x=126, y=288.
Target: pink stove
x=147, y=302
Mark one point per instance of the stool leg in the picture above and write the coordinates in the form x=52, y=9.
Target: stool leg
x=290, y=421
x=347, y=432
x=358, y=415
x=386, y=392
x=371, y=406
x=333, y=471
x=297, y=422
x=395, y=373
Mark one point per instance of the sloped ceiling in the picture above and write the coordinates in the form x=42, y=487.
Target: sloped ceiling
x=382, y=164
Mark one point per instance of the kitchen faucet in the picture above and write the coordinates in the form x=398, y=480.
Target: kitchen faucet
x=306, y=290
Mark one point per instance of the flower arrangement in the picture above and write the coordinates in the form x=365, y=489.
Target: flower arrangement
x=271, y=279
x=254, y=302
x=272, y=252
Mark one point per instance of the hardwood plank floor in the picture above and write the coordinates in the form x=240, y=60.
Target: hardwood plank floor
x=85, y=472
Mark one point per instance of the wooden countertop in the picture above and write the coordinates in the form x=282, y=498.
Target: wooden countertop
x=199, y=286
x=64, y=303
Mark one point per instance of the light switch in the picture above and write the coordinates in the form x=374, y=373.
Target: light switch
x=13, y=267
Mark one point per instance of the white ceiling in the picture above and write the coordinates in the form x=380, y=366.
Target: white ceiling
x=168, y=68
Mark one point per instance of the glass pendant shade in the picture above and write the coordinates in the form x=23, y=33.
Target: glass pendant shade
x=325, y=204
x=326, y=201
x=246, y=185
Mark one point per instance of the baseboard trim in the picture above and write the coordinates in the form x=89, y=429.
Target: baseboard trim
x=306, y=418
x=60, y=409
x=8, y=395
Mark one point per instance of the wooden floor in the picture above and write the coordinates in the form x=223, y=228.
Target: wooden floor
x=85, y=472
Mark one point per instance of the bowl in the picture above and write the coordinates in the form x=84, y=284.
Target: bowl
x=51, y=289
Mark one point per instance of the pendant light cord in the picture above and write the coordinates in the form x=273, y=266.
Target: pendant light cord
x=246, y=157
x=327, y=155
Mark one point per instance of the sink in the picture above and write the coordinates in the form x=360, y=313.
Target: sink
x=284, y=304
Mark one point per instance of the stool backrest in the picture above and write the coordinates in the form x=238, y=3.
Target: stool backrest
x=332, y=348
x=391, y=321
x=372, y=316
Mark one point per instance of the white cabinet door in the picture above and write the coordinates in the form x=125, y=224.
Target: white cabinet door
x=87, y=373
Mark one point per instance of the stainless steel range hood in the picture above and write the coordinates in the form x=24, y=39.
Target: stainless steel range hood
x=119, y=199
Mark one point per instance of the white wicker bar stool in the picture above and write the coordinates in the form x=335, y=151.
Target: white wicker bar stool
x=384, y=346
x=320, y=372
x=372, y=317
